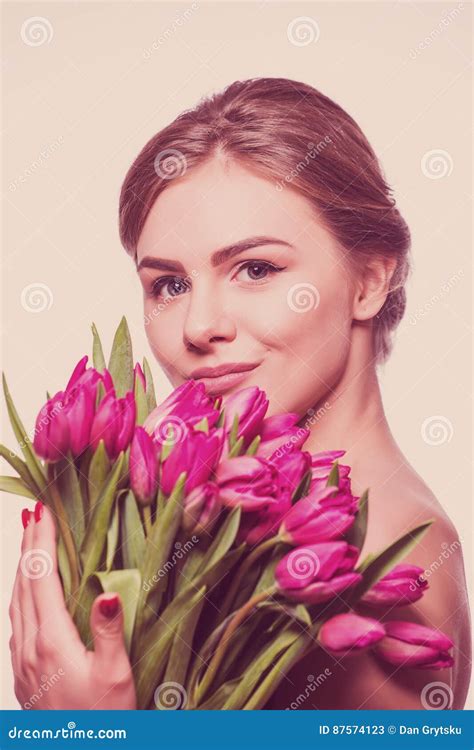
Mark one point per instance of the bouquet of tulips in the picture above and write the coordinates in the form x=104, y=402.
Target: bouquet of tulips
x=235, y=552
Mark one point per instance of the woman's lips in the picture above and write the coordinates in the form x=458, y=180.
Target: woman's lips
x=222, y=383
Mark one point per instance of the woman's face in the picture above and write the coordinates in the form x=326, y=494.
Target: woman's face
x=236, y=272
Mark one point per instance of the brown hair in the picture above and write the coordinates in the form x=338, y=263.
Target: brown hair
x=288, y=131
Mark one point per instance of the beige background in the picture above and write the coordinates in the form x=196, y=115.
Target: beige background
x=77, y=109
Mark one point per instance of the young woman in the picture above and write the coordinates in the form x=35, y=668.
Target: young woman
x=271, y=253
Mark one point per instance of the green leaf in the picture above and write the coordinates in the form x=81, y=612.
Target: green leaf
x=98, y=359
x=140, y=401
x=157, y=554
x=113, y=537
x=253, y=673
x=20, y=467
x=133, y=536
x=203, y=425
x=236, y=448
x=253, y=447
x=357, y=532
x=154, y=651
x=32, y=462
x=303, y=487
x=63, y=566
x=218, y=699
x=223, y=540
x=234, y=431
x=127, y=584
x=385, y=560
x=15, y=486
x=333, y=478
x=150, y=388
x=69, y=489
x=121, y=360
x=96, y=533
x=269, y=684
x=181, y=649
x=99, y=469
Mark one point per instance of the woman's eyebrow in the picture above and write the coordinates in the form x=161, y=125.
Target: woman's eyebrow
x=217, y=258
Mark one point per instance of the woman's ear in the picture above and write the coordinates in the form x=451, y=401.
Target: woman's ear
x=373, y=287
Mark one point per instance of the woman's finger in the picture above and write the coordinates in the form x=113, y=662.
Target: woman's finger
x=54, y=620
x=29, y=620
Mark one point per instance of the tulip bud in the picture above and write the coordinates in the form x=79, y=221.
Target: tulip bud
x=349, y=632
x=250, y=404
x=143, y=466
x=52, y=435
x=409, y=644
x=201, y=508
x=80, y=415
x=401, y=586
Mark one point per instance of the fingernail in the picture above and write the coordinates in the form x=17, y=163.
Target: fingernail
x=38, y=510
x=109, y=607
x=25, y=517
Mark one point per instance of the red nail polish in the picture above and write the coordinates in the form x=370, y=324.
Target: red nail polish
x=38, y=510
x=25, y=517
x=109, y=607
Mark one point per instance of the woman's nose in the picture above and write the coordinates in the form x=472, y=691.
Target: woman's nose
x=207, y=320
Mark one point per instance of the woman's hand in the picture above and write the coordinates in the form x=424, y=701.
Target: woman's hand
x=53, y=668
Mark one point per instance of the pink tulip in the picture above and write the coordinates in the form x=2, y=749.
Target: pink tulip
x=82, y=376
x=250, y=404
x=309, y=521
x=317, y=572
x=143, y=466
x=247, y=481
x=291, y=469
x=350, y=632
x=258, y=526
x=409, y=644
x=80, y=414
x=322, y=464
x=402, y=585
x=280, y=435
x=186, y=405
x=197, y=454
x=201, y=508
x=52, y=435
x=114, y=423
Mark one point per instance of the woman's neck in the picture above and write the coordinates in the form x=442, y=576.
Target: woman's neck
x=351, y=417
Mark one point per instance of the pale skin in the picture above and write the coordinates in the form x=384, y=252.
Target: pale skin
x=203, y=314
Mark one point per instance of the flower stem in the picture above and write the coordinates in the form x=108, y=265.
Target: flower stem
x=219, y=653
x=147, y=519
x=65, y=531
x=244, y=568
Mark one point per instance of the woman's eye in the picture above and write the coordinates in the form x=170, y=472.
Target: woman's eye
x=169, y=287
x=257, y=270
